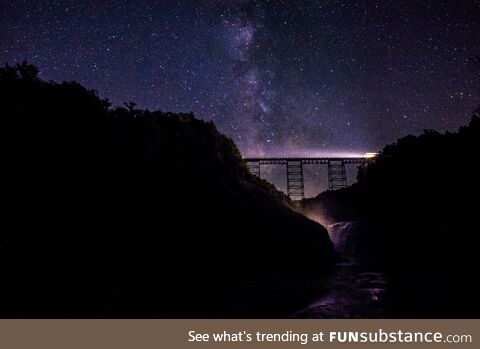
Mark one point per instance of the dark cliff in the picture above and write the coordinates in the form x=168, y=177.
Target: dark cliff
x=418, y=205
x=127, y=212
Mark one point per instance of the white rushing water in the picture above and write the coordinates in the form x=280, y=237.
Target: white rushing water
x=343, y=237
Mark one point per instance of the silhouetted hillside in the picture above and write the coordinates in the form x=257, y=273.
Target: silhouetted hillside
x=126, y=212
x=418, y=204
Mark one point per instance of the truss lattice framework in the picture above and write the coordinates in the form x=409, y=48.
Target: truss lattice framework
x=295, y=186
x=337, y=176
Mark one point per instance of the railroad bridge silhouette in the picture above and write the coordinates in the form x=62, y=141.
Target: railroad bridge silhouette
x=337, y=176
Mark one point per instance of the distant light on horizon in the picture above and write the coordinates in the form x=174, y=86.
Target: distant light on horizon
x=370, y=155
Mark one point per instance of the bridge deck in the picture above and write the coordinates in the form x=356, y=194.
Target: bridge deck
x=305, y=160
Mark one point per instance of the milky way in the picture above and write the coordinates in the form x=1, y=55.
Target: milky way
x=279, y=77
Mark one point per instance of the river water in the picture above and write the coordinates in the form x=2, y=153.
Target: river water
x=353, y=290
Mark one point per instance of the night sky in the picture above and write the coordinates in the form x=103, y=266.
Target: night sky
x=279, y=77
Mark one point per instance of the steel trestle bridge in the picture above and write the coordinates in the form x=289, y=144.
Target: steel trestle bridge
x=337, y=176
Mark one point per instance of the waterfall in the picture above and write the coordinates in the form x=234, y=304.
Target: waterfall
x=344, y=236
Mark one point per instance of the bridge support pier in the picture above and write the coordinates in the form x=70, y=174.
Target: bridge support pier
x=254, y=168
x=337, y=176
x=295, y=187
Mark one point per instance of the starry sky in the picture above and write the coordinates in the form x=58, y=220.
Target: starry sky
x=279, y=77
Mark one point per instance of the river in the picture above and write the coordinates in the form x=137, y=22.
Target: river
x=353, y=289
